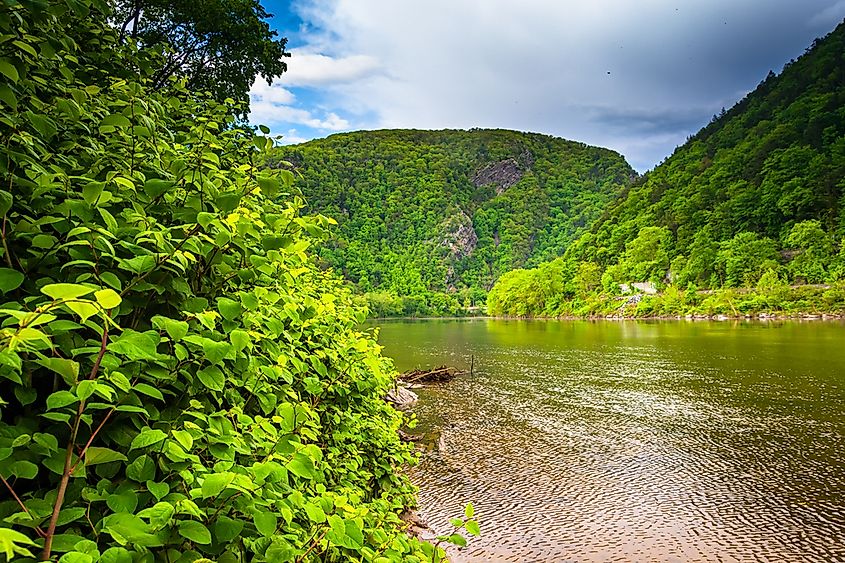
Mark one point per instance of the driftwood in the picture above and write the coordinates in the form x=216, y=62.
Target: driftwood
x=436, y=375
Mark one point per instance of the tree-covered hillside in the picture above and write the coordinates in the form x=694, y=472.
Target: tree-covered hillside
x=428, y=213
x=758, y=191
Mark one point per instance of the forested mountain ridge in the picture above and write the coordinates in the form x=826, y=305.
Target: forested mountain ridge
x=757, y=191
x=424, y=214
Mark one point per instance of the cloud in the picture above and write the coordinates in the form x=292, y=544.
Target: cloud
x=314, y=69
x=272, y=114
x=291, y=137
x=830, y=16
x=647, y=121
x=272, y=105
x=638, y=77
x=271, y=94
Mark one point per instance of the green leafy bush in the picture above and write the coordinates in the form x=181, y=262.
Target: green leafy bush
x=178, y=380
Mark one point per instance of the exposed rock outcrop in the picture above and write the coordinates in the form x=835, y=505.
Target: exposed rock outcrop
x=460, y=238
x=502, y=175
x=401, y=397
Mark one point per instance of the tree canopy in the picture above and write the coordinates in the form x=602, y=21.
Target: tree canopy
x=221, y=46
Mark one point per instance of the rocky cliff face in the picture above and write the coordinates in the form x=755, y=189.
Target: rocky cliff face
x=461, y=240
x=502, y=175
x=460, y=237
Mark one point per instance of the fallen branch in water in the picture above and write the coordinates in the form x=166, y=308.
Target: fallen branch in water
x=436, y=375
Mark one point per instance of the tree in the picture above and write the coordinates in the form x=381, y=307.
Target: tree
x=702, y=258
x=742, y=260
x=587, y=278
x=646, y=257
x=178, y=380
x=221, y=46
x=815, y=251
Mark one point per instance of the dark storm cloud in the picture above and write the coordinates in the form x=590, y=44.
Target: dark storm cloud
x=647, y=122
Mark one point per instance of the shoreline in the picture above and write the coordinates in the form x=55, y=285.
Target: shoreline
x=828, y=316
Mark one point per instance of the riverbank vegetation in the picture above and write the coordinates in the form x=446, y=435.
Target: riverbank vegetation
x=178, y=380
x=755, y=200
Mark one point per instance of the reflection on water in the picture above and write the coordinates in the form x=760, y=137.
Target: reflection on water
x=612, y=441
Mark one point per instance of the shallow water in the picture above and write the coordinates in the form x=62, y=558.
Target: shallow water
x=634, y=441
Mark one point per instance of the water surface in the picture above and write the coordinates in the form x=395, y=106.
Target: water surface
x=634, y=441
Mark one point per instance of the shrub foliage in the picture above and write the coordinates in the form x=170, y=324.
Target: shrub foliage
x=178, y=381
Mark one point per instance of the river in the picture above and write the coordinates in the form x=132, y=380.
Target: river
x=633, y=441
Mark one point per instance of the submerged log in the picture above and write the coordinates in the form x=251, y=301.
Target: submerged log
x=436, y=375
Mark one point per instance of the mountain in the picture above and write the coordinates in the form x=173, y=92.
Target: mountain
x=426, y=214
x=759, y=190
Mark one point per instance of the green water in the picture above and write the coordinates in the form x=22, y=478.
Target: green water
x=634, y=441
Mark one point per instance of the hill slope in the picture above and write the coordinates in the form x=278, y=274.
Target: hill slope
x=759, y=189
x=450, y=211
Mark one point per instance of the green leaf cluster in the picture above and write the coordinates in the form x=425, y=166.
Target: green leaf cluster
x=179, y=381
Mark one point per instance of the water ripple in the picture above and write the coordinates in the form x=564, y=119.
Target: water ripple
x=659, y=449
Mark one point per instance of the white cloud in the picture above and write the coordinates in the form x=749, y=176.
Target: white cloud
x=273, y=94
x=271, y=105
x=292, y=137
x=535, y=64
x=332, y=121
x=268, y=113
x=313, y=69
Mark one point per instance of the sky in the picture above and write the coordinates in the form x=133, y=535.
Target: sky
x=636, y=76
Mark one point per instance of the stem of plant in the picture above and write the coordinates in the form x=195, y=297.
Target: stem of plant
x=21, y=504
x=69, y=465
x=314, y=543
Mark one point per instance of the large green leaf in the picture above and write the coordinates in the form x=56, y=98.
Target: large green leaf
x=107, y=298
x=125, y=527
x=226, y=529
x=8, y=70
x=215, y=351
x=141, y=469
x=10, y=279
x=61, y=399
x=194, y=531
x=66, y=290
x=148, y=390
x=265, y=522
x=212, y=378
x=136, y=345
x=213, y=484
x=229, y=308
x=147, y=438
x=6, y=200
x=13, y=543
x=159, y=514
x=68, y=369
x=176, y=330
x=301, y=465
x=96, y=455
x=125, y=500
x=23, y=469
